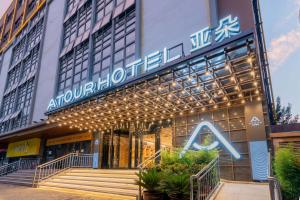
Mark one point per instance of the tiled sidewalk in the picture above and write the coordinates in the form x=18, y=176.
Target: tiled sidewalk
x=12, y=192
x=243, y=191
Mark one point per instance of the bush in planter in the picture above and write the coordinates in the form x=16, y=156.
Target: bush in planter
x=176, y=186
x=177, y=170
x=287, y=170
x=192, y=161
x=150, y=181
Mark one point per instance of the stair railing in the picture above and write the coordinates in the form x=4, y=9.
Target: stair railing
x=274, y=185
x=51, y=168
x=21, y=164
x=204, y=183
x=144, y=165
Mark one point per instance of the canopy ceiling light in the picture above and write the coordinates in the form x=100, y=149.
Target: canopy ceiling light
x=228, y=77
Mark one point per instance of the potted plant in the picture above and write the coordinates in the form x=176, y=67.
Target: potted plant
x=177, y=186
x=150, y=181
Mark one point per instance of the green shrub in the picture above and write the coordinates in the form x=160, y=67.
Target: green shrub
x=150, y=180
x=176, y=186
x=287, y=170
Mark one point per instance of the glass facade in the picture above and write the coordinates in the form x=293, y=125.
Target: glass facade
x=16, y=106
x=95, y=41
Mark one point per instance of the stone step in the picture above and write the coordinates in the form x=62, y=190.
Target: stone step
x=105, y=171
x=107, y=190
x=98, y=179
x=16, y=182
x=20, y=175
x=106, y=175
x=97, y=194
x=129, y=186
x=17, y=178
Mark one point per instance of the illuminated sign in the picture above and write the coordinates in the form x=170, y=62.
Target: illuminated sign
x=191, y=142
x=227, y=28
x=24, y=148
x=255, y=121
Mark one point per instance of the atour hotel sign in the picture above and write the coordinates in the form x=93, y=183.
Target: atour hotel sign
x=227, y=28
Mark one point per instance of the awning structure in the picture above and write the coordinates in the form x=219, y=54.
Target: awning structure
x=225, y=76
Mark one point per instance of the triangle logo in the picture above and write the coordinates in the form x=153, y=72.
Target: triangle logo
x=191, y=142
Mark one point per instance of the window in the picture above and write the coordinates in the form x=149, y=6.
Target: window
x=31, y=62
x=73, y=68
x=81, y=65
x=102, y=53
x=31, y=6
x=18, y=51
x=24, y=103
x=35, y=35
x=124, y=39
x=70, y=5
x=5, y=37
x=13, y=76
x=70, y=30
x=19, y=4
x=85, y=14
x=8, y=103
x=103, y=7
x=9, y=17
x=17, y=23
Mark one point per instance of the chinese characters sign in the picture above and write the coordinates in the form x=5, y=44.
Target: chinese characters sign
x=228, y=27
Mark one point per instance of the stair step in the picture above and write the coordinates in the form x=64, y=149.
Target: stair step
x=20, y=175
x=97, y=194
x=105, y=171
x=99, y=179
x=16, y=182
x=129, y=186
x=123, y=176
x=16, y=178
x=107, y=190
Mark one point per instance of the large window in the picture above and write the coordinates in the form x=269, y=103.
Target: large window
x=85, y=14
x=35, y=35
x=102, y=53
x=103, y=7
x=18, y=51
x=8, y=103
x=13, y=76
x=74, y=68
x=24, y=103
x=124, y=41
x=78, y=23
x=112, y=43
x=65, y=73
x=81, y=65
x=31, y=61
x=70, y=30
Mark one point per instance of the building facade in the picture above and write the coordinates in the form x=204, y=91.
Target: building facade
x=122, y=79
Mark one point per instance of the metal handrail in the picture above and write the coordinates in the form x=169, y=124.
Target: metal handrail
x=274, y=185
x=208, y=179
x=142, y=166
x=22, y=163
x=51, y=168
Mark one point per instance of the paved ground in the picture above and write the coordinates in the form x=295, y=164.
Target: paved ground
x=243, y=191
x=11, y=192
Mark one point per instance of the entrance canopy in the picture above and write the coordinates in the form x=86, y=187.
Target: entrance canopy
x=220, y=76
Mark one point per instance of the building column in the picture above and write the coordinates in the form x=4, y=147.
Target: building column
x=257, y=140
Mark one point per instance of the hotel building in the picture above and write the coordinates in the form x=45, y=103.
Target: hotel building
x=122, y=79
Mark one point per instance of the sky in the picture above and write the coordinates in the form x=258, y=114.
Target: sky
x=282, y=32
